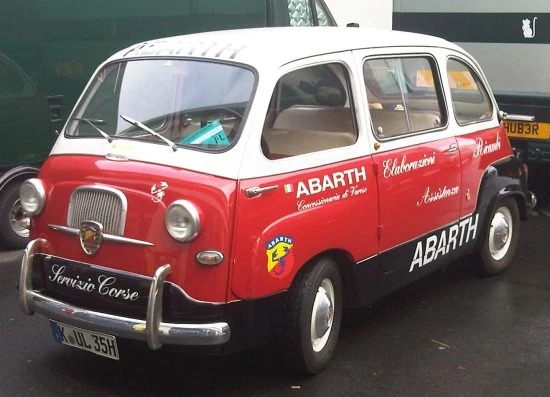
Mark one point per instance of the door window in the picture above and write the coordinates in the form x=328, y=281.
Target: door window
x=471, y=102
x=404, y=95
x=309, y=111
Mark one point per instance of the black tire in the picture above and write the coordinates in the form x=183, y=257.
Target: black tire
x=12, y=235
x=501, y=238
x=303, y=351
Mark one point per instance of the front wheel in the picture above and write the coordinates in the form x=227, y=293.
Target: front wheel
x=313, y=315
x=501, y=238
x=14, y=232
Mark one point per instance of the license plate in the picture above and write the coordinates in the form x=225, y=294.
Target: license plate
x=104, y=345
x=527, y=129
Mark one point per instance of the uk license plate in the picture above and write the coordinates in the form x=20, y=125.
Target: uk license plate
x=527, y=129
x=102, y=344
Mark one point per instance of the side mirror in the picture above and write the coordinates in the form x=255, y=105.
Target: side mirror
x=352, y=25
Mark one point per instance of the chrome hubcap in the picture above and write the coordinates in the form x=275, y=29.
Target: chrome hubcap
x=499, y=235
x=19, y=221
x=322, y=315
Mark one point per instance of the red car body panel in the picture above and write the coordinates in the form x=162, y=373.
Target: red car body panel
x=314, y=228
x=214, y=196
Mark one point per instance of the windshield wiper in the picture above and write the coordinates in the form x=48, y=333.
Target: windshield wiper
x=150, y=131
x=93, y=123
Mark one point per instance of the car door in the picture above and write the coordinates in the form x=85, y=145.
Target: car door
x=307, y=185
x=481, y=138
x=416, y=155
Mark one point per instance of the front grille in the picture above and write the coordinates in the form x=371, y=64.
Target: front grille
x=100, y=204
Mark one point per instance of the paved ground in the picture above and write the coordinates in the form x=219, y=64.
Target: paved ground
x=451, y=334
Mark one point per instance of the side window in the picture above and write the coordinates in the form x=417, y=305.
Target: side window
x=309, y=111
x=300, y=13
x=404, y=95
x=471, y=102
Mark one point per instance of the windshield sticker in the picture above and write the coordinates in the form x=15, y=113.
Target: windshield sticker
x=280, y=257
x=429, y=249
x=158, y=191
x=439, y=194
x=212, y=133
x=340, y=185
x=483, y=148
x=393, y=167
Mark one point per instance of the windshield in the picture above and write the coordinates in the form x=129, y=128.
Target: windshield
x=196, y=104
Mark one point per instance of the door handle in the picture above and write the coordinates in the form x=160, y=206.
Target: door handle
x=256, y=190
x=452, y=148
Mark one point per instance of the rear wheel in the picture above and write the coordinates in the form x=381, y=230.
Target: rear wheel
x=14, y=232
x=313, y=315
x=501, y=238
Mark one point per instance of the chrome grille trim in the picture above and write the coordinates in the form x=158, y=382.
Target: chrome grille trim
x=106, y=237
x=102, y=204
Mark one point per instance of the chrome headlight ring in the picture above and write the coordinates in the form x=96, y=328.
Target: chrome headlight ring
x=182, y=220
x=32, y=196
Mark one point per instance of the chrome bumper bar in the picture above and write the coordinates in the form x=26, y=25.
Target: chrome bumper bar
x=152, y=330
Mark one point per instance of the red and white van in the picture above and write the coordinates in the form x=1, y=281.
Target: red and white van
x=222, y=189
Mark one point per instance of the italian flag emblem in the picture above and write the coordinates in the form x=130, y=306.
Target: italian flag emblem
x=288, y=188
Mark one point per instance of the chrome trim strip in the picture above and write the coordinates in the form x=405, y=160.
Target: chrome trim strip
x=193, y=299
x=167, y=333
x=154, y=307
x=106, y=237
x=366, y=259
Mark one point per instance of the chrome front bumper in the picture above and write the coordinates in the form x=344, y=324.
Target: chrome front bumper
x=152, y=330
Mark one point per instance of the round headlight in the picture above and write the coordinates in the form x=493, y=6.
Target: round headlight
x=182, y=220
x=32, y=196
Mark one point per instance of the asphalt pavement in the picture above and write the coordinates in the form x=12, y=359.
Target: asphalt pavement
x=450, y=334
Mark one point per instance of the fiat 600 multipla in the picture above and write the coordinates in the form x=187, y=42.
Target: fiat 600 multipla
x=227, y=189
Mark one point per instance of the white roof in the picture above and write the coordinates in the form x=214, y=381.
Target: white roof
x=278, y=46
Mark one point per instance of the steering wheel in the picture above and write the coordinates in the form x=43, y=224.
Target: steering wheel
x=232, y=112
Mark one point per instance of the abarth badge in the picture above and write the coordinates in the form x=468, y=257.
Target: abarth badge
x=158, y=191
x=91, y=236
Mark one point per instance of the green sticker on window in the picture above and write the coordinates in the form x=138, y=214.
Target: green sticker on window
x=212, y=133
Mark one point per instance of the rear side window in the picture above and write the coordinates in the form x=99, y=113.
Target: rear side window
x=404, y=95
x=471, y=102
x=309, y=112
